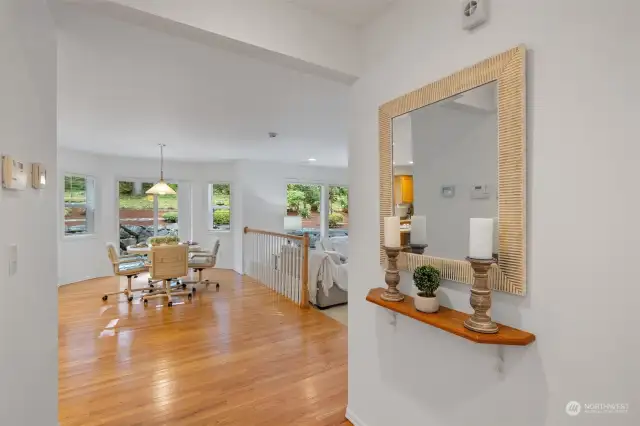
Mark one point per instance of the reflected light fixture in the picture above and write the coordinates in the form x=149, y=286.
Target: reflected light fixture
x=161, y=188
x=312, y=160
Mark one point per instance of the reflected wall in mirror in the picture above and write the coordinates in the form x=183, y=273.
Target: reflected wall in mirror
x=445, y=166
x=452, y=150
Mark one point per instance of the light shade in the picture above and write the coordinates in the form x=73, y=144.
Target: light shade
x=161, y=188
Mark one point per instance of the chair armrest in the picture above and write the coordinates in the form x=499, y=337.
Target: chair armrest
x=129, y=260
x=201, y=254
x=128, y=255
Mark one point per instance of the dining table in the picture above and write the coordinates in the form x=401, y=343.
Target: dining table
x=193, y=248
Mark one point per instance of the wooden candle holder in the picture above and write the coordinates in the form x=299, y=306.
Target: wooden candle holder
x=392, y=276
x=418, y=248
x=481, y=298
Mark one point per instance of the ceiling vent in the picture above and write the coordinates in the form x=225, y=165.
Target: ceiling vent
x=273, y=135
x=474, y=13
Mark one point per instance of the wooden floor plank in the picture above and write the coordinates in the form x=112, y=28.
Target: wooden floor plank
x=240, y=356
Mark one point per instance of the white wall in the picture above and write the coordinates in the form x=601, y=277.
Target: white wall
x=28, y=336
x=258, y=200
x=453, y=146
x=276, y=31
x=582, y=214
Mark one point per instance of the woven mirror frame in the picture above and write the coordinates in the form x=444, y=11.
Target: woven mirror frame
x=508, y=70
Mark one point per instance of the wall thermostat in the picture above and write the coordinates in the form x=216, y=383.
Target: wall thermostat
x=474, y=13
x=480, y=192
x=38, y=176
x=14, y=175
x=448, y=191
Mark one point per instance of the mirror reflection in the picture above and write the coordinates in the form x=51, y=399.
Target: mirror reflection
x=445, y=160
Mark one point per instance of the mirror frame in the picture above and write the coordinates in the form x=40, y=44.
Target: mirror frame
x=508, y=70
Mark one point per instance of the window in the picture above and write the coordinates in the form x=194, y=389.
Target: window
x=79, y=204
x=220, y=206
x=142, y=216
x=338, y=210
x=303, y=210
x=167, y=212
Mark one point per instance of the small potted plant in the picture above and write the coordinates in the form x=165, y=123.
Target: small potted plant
x=168, y=240
x=427, y=280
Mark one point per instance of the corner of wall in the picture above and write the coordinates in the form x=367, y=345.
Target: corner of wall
x=353, y=418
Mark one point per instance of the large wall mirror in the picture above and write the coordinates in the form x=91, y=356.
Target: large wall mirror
x=455, y=150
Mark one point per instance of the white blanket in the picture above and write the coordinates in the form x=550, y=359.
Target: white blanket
x=325, y=272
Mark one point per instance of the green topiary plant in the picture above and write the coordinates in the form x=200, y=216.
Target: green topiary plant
x=427, y=280
x=335, y=219
x=170, y=217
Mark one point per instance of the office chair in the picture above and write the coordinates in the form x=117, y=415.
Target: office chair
x=125, y=266
x=200, y=261
x=168, y=262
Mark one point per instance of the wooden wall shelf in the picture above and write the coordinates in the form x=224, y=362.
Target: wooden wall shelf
x=453, y=322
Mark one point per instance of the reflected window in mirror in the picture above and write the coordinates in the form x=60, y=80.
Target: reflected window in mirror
x=445, y=161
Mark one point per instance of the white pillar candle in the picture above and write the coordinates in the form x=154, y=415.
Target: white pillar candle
x=419, y=230
x=481, y=238
x=392, y=231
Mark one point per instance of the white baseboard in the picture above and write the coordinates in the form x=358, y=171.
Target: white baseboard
x=353, y=418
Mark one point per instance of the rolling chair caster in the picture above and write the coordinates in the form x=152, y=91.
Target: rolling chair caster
x=217, y=286
x=189, y=296
x=104, y=298
x=130, y=299
x=146, y=302
x=170, y=304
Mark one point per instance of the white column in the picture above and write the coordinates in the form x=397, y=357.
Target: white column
x=324, y=211
x=185, y=212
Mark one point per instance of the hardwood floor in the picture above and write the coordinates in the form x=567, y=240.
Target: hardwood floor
x=240, y=356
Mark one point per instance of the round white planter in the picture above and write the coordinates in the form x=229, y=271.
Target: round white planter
x=427, y=305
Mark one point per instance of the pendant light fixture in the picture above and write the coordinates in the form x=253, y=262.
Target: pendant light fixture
x=161, y=188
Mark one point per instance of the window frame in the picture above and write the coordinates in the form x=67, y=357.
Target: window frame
x=90, y=204
x=210, y=208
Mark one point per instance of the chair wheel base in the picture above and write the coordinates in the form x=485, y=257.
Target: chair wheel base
x=130, y=298
x=104, y=298
x=170, y=304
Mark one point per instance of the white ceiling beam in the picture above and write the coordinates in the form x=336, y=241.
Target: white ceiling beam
x=275, y=30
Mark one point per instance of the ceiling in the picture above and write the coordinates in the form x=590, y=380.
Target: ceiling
x=353, y=12
x=123, y=89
